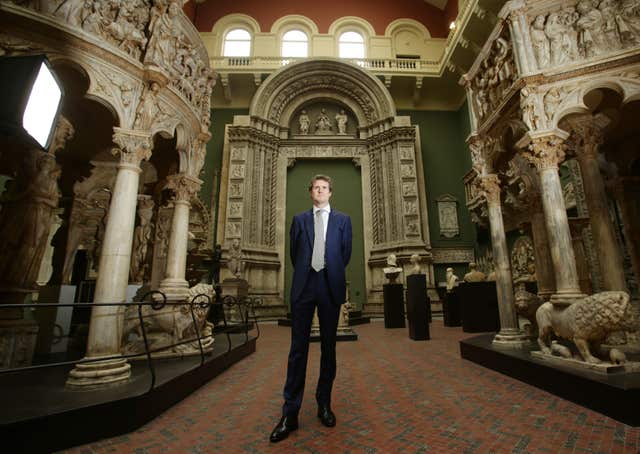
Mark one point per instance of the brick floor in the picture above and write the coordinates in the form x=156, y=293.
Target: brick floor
x=391, y=394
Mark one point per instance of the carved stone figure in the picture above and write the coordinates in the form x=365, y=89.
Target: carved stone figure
x=235, y=262
x=303, y=121
x=556, y=31
x=591, y=39
x=452, y=279
x=141, y=239
x=415, y=261
x=64, y=132
x=392, y=270
x=527, y=305
x=586, y=322
x=341, y=122
x=148, y=107
x=170, y=325
x=617, y=356
x=323, y=124
x=551, y=102
x=28, y=206
x=474, y=275
x=522, y=259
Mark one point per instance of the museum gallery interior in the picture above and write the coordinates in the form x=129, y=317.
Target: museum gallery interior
x=154, y=152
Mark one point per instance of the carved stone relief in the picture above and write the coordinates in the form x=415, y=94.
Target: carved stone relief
x=448, y=216
x=583, y=30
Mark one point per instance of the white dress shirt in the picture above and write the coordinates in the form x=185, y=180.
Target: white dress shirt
x=325, y=217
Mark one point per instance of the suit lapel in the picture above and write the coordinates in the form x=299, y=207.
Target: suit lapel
x=308, y=226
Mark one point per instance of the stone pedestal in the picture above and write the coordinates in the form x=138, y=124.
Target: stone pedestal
x=238, y=288
x=393, y=305
x=418, y=307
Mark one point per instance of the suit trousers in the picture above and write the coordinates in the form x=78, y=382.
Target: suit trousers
x=315, y=294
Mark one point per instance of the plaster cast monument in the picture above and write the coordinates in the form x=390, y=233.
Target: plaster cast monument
x=304, y=122
x=341, y=122
x=323, y=124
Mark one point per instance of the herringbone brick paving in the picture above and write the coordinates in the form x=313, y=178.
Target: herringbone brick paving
x=391, y=394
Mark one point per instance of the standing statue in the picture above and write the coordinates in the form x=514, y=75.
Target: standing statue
x=304, y=122
x=141, y=238
x=235, y=262
x=323, y=124
x=341, y=122
x=148, y=107
x=25, y=220
x=540, y=42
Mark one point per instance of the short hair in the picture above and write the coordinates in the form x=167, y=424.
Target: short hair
x=320, y=177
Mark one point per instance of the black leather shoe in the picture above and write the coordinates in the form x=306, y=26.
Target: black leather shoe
x=286, y=425
x=326, y=415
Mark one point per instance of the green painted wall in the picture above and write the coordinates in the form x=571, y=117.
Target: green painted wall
x=446, y=159
x=346, y=197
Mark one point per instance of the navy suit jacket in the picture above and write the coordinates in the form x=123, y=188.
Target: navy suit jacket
x=337, y=253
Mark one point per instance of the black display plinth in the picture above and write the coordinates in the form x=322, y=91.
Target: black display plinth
x=393, y=305
x=451, y=309
x=418, y=307
x=478, y=306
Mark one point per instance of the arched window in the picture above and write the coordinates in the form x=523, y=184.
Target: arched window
x=237, y=43
x=295, y=43
x=351, y=45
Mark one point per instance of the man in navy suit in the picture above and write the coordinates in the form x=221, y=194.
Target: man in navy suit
x=320, y=251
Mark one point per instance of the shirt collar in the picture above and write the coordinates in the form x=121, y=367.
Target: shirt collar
x=327, y=209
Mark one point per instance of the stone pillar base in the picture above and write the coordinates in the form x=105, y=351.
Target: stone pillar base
x=566, y=299
x=511, y=338
x=99, y=373
x=17, y=342
x=175, y=289
x=235, y=287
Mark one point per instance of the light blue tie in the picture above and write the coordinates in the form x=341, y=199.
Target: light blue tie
x=317, y=259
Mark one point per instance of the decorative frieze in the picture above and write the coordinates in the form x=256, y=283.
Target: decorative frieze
x=452, y=255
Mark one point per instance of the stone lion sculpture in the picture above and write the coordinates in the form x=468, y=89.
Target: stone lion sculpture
x=527, y=305
x=587, y=322
x=171, y=324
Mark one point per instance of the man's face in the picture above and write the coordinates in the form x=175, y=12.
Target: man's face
x=320, y=193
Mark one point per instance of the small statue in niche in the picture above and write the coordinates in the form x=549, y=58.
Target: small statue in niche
x=323, y=124
x=341, y=122
x=415, y=261
x=235, y=263
x=392, y=270
x=303, y=121
x=474, y=275
x=452, y=279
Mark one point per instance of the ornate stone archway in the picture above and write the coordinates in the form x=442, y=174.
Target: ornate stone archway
x=259, y=148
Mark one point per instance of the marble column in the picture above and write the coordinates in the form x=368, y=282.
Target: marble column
x=546, y=153
x=544, y=265
x=174, y=285
x=105, y=331
x=578, y=233
x=510, y=334
x=589, y=135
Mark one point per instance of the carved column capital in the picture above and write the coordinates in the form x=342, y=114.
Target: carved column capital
x=184, y=186
x=476, y=146
x=490, y=187
x=588, y=133
x=546, y=152
x=133, y=146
